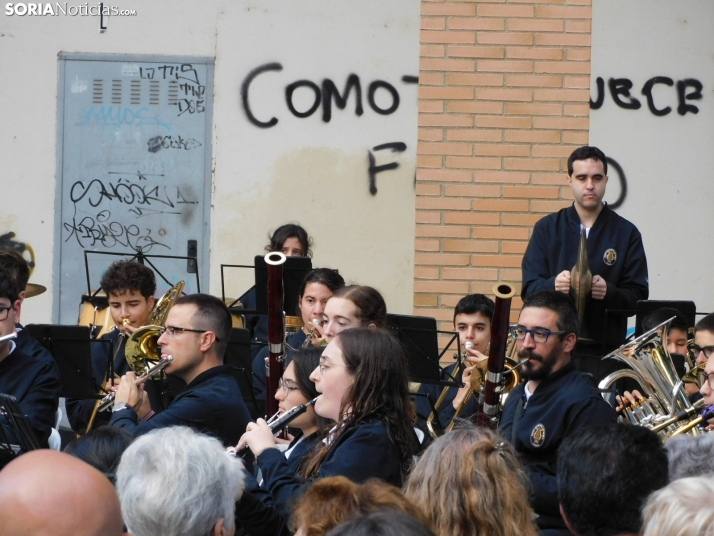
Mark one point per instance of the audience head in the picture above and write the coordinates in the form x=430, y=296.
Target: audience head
x=332, y=500
x=48, y=493
x=683, y=508
x=101, y=448
x=690, y=456
x=363, y=377
x=382, y=524
x=470, y=482
x=354, y=306
x=610, y=469
x=176, y=482
x=291, y=240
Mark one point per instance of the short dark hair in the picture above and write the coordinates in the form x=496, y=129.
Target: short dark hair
x=8, y=286
x=16, y=265
x=705, y=324
x=586, y=153
x=371, y=307
x=290, y=230
x=212, y=315
x=381, y=524
x=125, y=276
x=324, y=276
x=655, y=318
x=605, y=474
x=474, y=303
x=559, y=303
x=101, y=448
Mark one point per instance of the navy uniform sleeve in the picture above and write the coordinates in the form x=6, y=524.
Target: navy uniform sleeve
x=633, y=284
x=259, y=374
x=534, y=266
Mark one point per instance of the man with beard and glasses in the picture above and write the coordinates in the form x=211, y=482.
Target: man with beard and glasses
x=553, y=402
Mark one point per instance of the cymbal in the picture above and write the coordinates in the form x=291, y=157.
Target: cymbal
x=33, y=289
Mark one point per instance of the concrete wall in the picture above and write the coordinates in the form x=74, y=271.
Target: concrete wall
x=666, y=159
x=303, y=169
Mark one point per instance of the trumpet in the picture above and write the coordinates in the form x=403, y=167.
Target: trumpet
x=313, y=334
x=277, y=424
x=108, y=401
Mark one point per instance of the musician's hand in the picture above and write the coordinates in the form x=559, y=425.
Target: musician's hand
x=562, y=281
x=281, y=441
x=599, y=288
x=129, y=329
x=463, y=391
x=144, y=404
x=258, y=437
x=473, y=356
x=112, y=384
x=128, y=391
x=628, y=398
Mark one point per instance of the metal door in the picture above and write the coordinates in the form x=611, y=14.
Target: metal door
x=134, y=173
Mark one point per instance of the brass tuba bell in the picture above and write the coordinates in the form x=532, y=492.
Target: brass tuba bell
x=141, y=349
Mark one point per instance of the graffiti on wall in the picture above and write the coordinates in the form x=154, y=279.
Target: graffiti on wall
x=686, y=90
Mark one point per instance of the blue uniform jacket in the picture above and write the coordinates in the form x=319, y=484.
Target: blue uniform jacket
x=293, y=341
x=211, y=404
x=362, y=452
x=256, y=324
x=79, y=411
x=35, y=382
x=447, y=410
x=564, y=402
x=615, y=252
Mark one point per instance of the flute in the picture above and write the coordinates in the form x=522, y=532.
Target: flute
x=9, y=337
x=108, y=401
x=278, y=424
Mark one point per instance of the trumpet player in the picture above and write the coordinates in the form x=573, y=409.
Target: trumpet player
x=130, y=288
x=472, y=321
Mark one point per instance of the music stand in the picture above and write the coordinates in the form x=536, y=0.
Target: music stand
x=239, y=357
x=419, y=338
x=647, y=307
x=19, y=426
x=71, y=348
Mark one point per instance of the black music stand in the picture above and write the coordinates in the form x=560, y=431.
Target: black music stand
x=239, y=357
x=647, y=307
x=71, y=348
x=419, y=338
x=21, y=437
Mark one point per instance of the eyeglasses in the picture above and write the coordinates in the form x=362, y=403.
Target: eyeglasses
x=539, y=335
x=286, y=387
x=710, y=380
x=4, y=312
x=708, y=350
x=172, y=330
x=323, y=367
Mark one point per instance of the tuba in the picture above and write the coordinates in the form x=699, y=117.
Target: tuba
x=141, y=349
x=650, y=365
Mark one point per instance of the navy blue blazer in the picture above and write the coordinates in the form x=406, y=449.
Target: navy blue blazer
x=35, y=382
x=211, y=404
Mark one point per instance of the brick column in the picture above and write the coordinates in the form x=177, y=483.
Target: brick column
x=503, y=100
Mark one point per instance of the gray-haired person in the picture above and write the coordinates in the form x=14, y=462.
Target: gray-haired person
x=690, y=456
x=177, y=482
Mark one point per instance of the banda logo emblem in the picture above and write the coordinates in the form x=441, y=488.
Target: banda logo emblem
x=609, y=257
x=538, y=435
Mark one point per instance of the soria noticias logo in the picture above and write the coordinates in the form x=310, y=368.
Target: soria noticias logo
x=63, y=8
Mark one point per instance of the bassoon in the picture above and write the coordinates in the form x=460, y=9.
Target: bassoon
x=275, y=362
x=489, y=406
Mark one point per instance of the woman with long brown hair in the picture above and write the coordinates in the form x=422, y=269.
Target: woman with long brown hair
x=469, y=482
x=363, y=386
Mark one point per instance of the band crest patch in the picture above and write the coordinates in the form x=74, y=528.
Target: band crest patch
x=609, y=257
x=538, y=435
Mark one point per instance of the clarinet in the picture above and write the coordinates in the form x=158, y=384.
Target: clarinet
x=276, y=425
